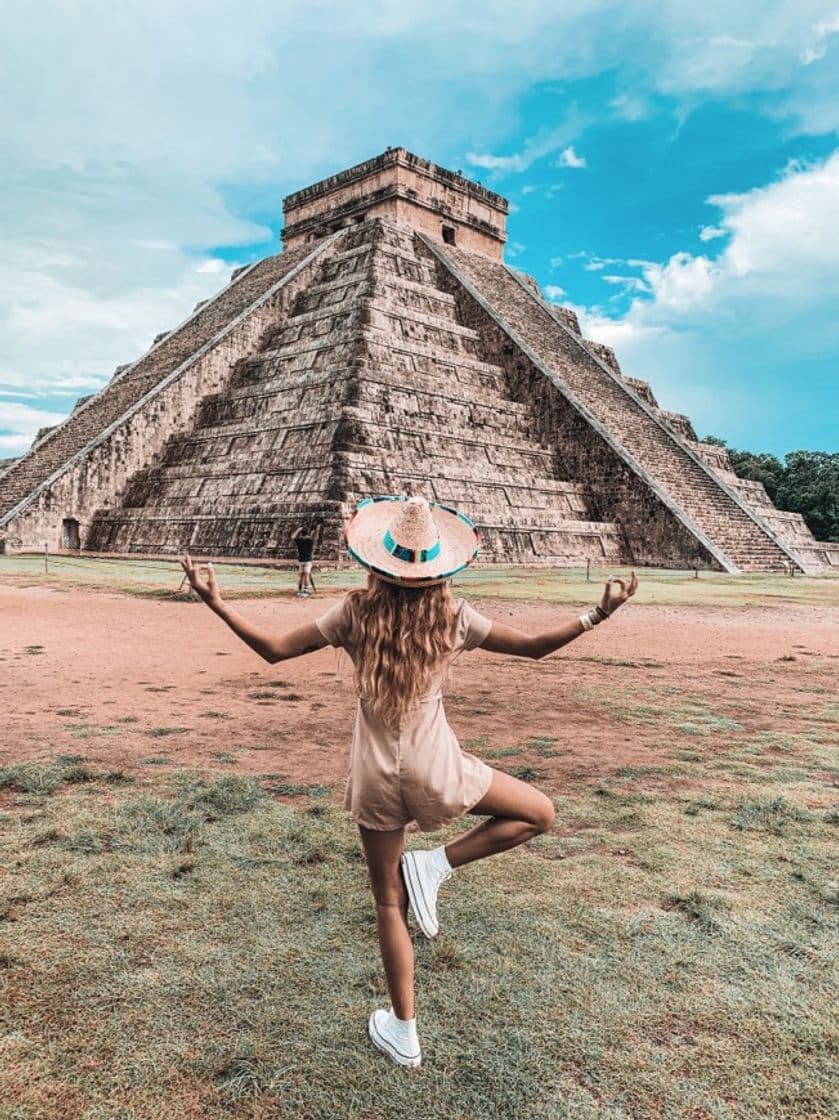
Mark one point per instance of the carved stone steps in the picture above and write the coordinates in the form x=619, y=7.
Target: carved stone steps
x=365, y=403
x=267, y=492
x=634, y=430
x=411, y=357
x=222, y=532
x=377, y=375
x=103, y=409
x=491, y=421
x=382, y=388
x=212, y=535
x=538, y=493
x=447, y=473
x=545, y=548
x=359, y=434
x=260, y=505
x=374, y=316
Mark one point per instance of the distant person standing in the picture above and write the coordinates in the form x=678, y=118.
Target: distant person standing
x=305, y=542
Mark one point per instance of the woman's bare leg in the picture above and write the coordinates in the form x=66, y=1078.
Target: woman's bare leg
x=517, y=812
x=383, y=850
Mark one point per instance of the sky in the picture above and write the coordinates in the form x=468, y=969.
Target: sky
x=672, y=169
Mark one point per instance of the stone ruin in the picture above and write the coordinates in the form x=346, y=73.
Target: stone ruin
x=389, y=349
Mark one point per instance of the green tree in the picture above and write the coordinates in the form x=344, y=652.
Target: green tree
x=810, y=486
x=807, y=482
x=762, y=467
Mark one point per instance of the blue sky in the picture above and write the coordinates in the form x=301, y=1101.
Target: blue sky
x=673, y=173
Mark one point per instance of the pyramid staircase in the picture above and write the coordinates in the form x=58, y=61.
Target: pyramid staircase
x=26, y=479
x=369, y=385
x=703, y=502
x=375, y=355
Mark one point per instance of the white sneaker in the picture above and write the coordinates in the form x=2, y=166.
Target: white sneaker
x=422, y=880
x=395, y=1039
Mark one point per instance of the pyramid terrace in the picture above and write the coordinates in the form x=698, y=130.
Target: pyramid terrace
x=389, y=349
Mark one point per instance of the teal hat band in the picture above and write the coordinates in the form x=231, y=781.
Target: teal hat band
x=410, y=555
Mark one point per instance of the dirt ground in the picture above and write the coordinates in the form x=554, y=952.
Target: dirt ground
x=131, y=683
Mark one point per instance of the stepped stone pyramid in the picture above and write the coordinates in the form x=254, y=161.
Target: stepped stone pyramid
x=388, y=349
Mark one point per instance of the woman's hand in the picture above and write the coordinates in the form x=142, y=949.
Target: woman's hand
x=202, y=580
x=617, y=591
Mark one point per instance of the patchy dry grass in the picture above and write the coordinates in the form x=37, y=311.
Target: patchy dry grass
x=29, y=777
x=189, y=947
x=184, y=946
x=89, y=731
x=161, y=579
x=665, y=706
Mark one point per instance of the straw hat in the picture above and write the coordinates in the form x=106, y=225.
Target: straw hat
x=410, y=541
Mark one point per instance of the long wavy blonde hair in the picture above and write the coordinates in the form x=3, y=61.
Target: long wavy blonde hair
x=401, y=637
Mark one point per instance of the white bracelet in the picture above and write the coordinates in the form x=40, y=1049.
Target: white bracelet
x=585, y=622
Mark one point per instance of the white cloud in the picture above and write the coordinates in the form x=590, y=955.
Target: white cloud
x=553, y=292
x=812, y=54
x=783, y=245
x=597, y=264
x=569, y=158
x=536, y=147
x=630, y=107
x=730, y=41
x=123, y=176
x=19, y=424
x=821, y=34
x=95, y=264
x=763, y=309
x=213, y=266
x=628, y=283
x=497, y=163
x=682, y=282
x=790, y=227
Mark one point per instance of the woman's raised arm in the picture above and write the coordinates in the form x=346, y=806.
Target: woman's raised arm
x=506, y=639
x=273, y=648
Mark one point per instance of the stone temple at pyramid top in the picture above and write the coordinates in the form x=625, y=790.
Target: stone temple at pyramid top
x=400, y=187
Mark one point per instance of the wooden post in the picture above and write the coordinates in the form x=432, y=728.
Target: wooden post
x=46, y=554
x=588, y=570
x=696, y=573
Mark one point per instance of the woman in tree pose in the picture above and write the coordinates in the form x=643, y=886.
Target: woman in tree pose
x=401, y=632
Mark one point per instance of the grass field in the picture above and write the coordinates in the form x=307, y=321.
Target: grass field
x=186, y=945
x=163, y=579
x=198, y=944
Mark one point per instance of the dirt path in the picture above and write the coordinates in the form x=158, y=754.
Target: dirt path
x=123, y=681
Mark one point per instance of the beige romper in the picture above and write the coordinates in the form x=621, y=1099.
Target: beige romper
x=416, y=771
